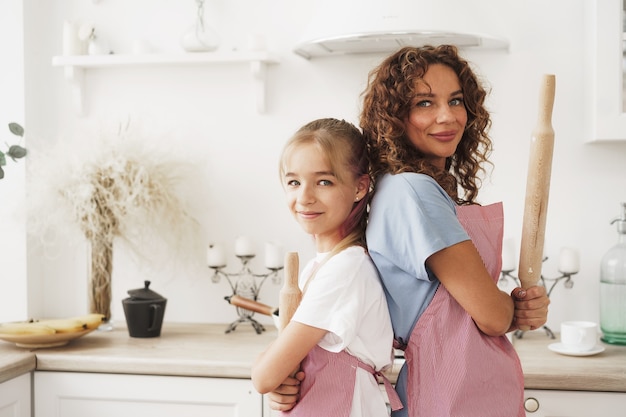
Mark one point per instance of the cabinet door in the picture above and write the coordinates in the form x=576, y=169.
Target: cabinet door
x=575, y=403
x=66, y=394
x=15, y=397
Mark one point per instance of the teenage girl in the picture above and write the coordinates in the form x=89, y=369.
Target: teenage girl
x=341, y=333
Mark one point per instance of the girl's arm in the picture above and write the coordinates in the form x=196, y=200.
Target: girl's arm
x=285, y=397
x=284, y=355
x=461, y=270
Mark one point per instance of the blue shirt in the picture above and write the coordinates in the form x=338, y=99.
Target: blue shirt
x=411, y=218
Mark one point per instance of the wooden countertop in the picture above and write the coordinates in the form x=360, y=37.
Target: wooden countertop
x=544, y=369
x=15, y=362
x=204, y=350
x=182, y=349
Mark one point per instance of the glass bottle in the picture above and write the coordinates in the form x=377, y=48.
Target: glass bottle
x=200, y=37
x=613, y=287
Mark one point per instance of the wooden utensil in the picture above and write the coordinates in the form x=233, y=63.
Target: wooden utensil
x=251, y=305
x=290, y=295
x=537, y=188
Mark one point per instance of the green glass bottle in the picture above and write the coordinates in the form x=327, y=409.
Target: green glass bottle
x=613, y=287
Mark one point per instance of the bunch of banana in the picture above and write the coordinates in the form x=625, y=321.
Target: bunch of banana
x=91, y=320
x=51, y=326
x=23, y=328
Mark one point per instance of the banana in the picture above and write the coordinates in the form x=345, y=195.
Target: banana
x=91, y=320
x=25, y=328
x=64, y=325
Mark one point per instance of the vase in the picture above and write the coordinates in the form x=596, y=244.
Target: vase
x=100, y=270
x=200, y=37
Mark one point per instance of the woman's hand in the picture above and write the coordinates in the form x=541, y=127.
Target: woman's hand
x=531, y=307
x=285, y=397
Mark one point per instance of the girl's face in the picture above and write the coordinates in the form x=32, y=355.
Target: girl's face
x=317, y=200
x=437, y=119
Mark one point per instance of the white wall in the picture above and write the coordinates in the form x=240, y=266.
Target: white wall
x=210, y=109
x=13, y=283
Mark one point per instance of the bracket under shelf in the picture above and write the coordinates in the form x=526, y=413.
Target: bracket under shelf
x=76, y=65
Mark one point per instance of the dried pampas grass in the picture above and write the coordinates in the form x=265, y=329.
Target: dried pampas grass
x=122, y=188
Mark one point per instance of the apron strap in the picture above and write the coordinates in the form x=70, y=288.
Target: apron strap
x=392, y=395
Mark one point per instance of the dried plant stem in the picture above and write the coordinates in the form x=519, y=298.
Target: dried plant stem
x=100, y=276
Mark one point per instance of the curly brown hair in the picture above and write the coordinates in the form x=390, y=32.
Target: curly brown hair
x=387, y=102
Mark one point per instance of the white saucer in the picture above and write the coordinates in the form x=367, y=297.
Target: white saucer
x=559, y=348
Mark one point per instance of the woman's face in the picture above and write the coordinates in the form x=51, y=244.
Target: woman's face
x=437, y=119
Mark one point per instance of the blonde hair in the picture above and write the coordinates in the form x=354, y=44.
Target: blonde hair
x=343, y=145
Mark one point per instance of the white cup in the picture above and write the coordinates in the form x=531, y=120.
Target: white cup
x=579, y=336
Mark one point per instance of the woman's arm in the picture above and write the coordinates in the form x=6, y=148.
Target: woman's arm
x=284, y=355
x=461, y=270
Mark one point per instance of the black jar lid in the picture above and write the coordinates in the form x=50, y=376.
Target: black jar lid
x=145, y=293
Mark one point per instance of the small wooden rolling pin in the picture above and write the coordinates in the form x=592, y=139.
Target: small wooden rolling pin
x=251, y=305
x=290, y=295
x=537, y=188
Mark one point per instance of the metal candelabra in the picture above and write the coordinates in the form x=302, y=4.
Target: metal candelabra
x=566, y=276
x=247, y=284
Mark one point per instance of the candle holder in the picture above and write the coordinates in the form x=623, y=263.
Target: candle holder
x=565, y=276
x=247, y=284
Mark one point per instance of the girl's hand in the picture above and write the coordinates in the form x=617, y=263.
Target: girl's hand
x=285, y=397
x=531, y=307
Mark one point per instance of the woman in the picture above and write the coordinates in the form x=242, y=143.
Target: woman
x=438, y=252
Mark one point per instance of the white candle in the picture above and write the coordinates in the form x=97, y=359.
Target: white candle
x=215, y=256
x=274, y=255
x=569, y=261
x=71, y=43
x=244, y=246
x=509, y=260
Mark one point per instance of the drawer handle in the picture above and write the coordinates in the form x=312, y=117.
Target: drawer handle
x=531, y=404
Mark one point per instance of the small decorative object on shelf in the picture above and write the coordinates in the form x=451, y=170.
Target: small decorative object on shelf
x=569, y=264
x=244, y=282
x=200, y=37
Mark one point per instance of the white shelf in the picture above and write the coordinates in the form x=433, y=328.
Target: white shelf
x=76, y=65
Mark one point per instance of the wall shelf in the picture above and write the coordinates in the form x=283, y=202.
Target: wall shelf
x=76, y=65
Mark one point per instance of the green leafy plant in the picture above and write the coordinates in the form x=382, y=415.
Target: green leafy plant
x=15, y=152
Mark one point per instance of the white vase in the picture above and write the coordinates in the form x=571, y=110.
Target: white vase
x=200, y=37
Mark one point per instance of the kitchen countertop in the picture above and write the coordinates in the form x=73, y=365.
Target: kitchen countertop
x=204, y=350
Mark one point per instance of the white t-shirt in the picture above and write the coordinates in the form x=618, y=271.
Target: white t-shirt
x=346, y=298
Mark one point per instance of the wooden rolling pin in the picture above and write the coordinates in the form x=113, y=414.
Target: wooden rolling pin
x=537, y=188
x=290, y=295
x=251, y=305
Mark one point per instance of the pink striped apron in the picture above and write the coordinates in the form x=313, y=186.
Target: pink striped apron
x=328, y=388
x=453, y=369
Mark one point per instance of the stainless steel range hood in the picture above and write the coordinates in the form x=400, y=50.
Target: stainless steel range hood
x=343, y=27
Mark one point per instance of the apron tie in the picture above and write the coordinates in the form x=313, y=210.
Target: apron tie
x=392, y=395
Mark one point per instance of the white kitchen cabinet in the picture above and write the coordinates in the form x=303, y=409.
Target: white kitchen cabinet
x=77, y=394
x=574, y=403
x=606, y=40
x=15, y=397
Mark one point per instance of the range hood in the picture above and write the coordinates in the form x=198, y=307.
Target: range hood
x=341, y=27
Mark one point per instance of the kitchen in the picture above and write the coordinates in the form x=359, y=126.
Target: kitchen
x=212, y=111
